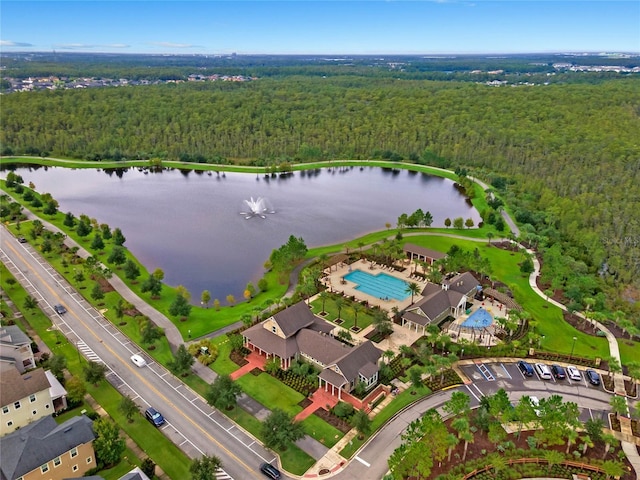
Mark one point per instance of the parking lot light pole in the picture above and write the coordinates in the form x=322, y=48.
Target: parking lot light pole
x=572, y=347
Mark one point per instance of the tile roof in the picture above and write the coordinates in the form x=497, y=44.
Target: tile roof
x=41, y=441
x=14, y=386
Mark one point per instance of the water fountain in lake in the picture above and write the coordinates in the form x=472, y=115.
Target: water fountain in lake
x=257, y=208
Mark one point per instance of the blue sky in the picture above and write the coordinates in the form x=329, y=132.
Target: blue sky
x=325, y=27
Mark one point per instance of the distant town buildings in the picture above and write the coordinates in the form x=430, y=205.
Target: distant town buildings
x=68, y=83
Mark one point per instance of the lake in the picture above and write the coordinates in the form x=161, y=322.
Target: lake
x=189, y=224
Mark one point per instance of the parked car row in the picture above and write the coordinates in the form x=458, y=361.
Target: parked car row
x=558, y=372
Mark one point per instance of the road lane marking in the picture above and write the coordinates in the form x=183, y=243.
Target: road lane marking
x=471, y=392
x=505, y=371
x=130, y=368
x=366, y=464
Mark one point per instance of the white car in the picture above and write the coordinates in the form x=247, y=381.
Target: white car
x=138, y=360
x=535, y=403
x=573, y=373
x=543, y=371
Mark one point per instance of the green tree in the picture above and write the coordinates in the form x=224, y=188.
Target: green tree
x=205, y=298
x=76, y=389
x=118, y=238
x=279, y=429
x=117, y=256
x=94, y=372
x=106, y=231
x=30, y=303
x=149, y=332
x=180, y=307
x=83, y=229
x=128, y=408
x=362, y=423
x=223, y=393
x=447, y=222
x=109, y=445
x=96, y=293
x=131, y=270
x=458, y=223
x=148, y=467
x=182, y=361
x=57, y=363
x=205, y=468
x=69, y=220
x=414, y=289
x=469, y=223
x=97, y=244
x=151, y=285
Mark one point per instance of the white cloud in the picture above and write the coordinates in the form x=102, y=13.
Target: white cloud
x=74, y=46
x=10, y=43
x=172, y=45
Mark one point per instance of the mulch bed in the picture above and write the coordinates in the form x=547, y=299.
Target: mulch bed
x=105, y=286
x=255, y=371
x=481, y=447
x=332, y=420
x=305, y=402
x=238, y=359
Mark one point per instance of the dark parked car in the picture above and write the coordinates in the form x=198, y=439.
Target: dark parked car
x=525, y=368
x=154, y=416
x=558, y=372
x=59, y=309
x=22, y=240
x=270, y=471
x=593, y=377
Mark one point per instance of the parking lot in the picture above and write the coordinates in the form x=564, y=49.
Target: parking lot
x=487, y=378
x=491, y=372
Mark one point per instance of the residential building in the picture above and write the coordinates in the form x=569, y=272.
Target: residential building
x=28, y=397
x=15, y=348
x=44, y=450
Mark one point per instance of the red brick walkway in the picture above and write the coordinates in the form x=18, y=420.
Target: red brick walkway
x=320, y=399
x=255, y=361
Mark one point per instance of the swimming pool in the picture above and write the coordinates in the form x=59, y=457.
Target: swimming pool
x=381, y=286
x=478, y=319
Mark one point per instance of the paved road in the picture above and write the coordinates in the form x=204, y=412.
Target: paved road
x=191, y=424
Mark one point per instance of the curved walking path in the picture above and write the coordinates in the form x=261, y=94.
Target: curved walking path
x=628, y=446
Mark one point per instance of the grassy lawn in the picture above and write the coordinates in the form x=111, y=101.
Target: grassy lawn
x=223, y=364
x=399, y=402
x=293, y=459
x=201, y=320
x=271, y=392
x=156, y=445
x=346, y=314
x=321, y=431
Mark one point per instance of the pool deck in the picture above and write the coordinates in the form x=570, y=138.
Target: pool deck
x=402, y=336
x=335, y=283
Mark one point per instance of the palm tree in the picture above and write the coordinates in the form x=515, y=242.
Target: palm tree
x=414, y=289
x=339, y=303
x=357, y=308
x=490, y=235
x=324, y=296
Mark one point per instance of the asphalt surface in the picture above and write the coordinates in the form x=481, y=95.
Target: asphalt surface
x=191, y=424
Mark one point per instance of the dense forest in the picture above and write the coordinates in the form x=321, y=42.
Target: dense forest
x=565, y=156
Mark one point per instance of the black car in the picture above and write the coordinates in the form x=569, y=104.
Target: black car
x=22, y=240
x=60, y=309
x=525, y=368
x=270, y=471
x=154, y=416
x=558, y=372
x=593, y=377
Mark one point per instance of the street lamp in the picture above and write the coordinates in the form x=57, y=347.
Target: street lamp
x=573, y=346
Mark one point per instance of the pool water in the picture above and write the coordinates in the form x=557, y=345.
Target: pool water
x=478, y=319
x=381, y=286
